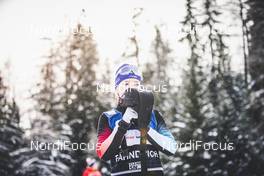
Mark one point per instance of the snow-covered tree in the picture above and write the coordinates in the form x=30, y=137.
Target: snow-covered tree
x=68, y=92
x=11, y=135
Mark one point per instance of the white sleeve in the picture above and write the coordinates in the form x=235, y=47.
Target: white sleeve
x=163, y=139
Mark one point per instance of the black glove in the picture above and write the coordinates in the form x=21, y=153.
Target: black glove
x=130, y=99
x=142, y=102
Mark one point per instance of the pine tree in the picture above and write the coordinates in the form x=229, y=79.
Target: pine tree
x=69, y=95
x=256, y=62
x=255, y=107
x=80, y=101
x=156, y=73
x=195, y=104
x=11, y=135
x=133, y=48
x=212, y=104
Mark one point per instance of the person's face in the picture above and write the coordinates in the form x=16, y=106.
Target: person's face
x=128, y=83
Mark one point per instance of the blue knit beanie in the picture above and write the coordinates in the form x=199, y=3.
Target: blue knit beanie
x=126, y=71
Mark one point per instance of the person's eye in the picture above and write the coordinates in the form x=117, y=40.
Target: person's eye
x=126, y=84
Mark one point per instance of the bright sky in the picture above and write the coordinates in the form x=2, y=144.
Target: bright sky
x=24, y=24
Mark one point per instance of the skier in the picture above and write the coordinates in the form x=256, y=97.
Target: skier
x=118, y=135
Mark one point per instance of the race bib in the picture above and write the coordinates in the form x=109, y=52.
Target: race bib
x=133, y=137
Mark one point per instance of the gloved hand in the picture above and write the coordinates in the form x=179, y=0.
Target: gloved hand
x=130, y=99
x=129, y=115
